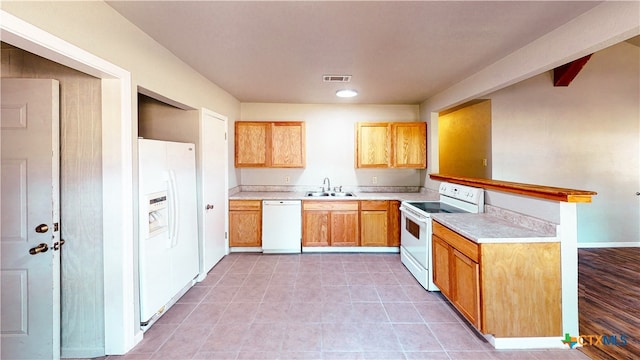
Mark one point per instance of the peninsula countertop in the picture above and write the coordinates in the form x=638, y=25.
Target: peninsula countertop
x=486, y=228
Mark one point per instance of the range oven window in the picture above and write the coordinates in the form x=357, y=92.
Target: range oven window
x=413, y=228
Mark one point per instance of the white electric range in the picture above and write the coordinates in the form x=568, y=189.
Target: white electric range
x=415, y=235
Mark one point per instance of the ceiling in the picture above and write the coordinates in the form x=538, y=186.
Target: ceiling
x=397, y=52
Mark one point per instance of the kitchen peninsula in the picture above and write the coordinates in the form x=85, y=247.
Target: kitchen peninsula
x=517, y=262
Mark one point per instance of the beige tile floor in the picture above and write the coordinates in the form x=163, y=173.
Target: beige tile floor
x=316, y=306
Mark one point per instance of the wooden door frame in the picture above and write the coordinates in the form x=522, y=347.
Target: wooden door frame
x=121, y=332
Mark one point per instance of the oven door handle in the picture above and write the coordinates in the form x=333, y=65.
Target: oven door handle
x=414, y=217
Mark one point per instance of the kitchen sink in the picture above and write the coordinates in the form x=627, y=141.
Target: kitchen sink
x=316, y=193
x=325, y=193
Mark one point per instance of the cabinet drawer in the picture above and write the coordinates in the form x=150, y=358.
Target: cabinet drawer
x=330, y=205
x=245, y=205
x=373, y=205
x=460, y=243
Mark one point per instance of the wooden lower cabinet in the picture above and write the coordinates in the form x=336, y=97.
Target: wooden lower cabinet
x=330, y=223
x=466, y=287
x=379, y=223
x=441, y=266
x=373, y=223
x=245, y=223
x=503, y=289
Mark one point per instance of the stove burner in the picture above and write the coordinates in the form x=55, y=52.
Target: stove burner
x=434, y=207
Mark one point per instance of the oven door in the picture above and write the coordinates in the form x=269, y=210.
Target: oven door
x=415, y=235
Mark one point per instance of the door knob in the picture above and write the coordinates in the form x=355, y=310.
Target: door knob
x=209, y=207
x=58, y=244
x=43, y=247
x=42, y=228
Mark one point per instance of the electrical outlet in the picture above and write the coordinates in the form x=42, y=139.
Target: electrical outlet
x=287, y=179
x=484, y=162
x=374, y=179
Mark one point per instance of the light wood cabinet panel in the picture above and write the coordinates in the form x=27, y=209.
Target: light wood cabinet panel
x=466, y=287
x=315, y=228
x=270, y=144
x=372, y=145
x=441, y=268
x=393, y=237
x=380, y=223
x=252, y=142
x=344, y=228
x=409, y=145
x=391, y=145
x=521, y=289
x=288, y=144
x=374, y=227
x=245, y=223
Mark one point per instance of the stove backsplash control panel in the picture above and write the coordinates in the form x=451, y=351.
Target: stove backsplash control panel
x=461, y=192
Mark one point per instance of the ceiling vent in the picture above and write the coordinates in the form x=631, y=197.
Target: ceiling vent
x=336, y=78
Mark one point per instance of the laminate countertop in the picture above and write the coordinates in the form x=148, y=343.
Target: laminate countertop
x=485, y=228
x=300, y=195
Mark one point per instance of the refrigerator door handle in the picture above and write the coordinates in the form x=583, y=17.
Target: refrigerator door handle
x=173, y=195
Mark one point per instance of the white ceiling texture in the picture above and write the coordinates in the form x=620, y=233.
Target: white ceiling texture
x=397, y=52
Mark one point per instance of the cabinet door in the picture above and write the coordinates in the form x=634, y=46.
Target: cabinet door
x=344, y=228
x=393, y=236
x=373, y=231
x=372, y=145
x=287, y=144
x=441, y=268
x=466, y=287
x=409, y=145
x=245, y=228
x=315, y=228
x=252, y=144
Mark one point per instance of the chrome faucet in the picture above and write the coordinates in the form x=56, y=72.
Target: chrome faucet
x=328, y=184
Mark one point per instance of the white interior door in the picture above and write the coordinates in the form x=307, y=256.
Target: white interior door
x=30, y=216
x=214, y=184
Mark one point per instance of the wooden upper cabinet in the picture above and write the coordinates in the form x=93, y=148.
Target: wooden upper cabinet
x=287, y=144
x=391, y=145
x=409, y=145
x=251, y=143
x=372, y=145
x=270, y=144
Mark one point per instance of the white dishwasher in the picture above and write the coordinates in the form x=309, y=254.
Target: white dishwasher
x=281, y=226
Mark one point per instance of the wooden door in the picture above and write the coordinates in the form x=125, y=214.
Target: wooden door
x=409, y=145
x=466, y=287
x=30, y=273
x=315, y=228
x=393, y=213
x=373, y=222
x=372, y=145
x=213, y=182
x=252, y=142
x=344, y=228
x=287, y=144
x=441, y=266
x=245, y=223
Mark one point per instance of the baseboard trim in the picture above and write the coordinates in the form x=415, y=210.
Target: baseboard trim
x=351, y=249
x=81, y=353
x=608, y=245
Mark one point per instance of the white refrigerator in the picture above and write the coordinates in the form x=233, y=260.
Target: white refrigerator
x=168, y=225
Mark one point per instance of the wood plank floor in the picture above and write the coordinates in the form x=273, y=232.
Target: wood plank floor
x=609, y=299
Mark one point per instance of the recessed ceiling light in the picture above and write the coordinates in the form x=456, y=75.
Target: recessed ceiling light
x=346, y=93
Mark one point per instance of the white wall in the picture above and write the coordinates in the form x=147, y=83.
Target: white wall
x=330, y=140
x=605, y=25
x=584, y=136
x=97, y=28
